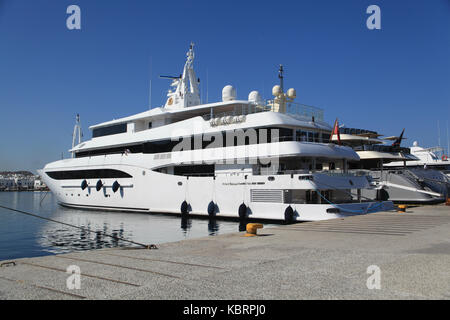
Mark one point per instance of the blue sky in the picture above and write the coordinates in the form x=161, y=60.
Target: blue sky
x=382, y=80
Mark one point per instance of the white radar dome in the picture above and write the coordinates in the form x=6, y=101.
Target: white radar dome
x=276, y=91
x=415, y=144
x=228, y=93
x=291, y=93
x=254, y=96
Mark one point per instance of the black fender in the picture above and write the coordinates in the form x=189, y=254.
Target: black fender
x=99, y=185
x=184, y=208
x=242, y=211
x=211, y=208
x=289, y=215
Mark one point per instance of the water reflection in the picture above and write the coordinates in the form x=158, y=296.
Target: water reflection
x=67, y=239
x=213, y=226
x=186, y=223
x=242, y=224
x=24, y=236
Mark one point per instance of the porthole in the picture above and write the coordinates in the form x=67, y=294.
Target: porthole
x=271, y=178
x=180, y=183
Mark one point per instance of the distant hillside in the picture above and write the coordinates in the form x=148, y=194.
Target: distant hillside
x=25, y=173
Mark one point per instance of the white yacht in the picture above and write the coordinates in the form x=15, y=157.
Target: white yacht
x=427, y=158
x=232, y=158
x=399, y=183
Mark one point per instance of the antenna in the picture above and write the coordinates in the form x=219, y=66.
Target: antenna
x=206, y=85
x=150, y=88
x=439, y=135
x=280, y=75
x=448, y=143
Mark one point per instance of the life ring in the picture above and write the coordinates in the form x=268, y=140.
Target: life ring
x=444, y=157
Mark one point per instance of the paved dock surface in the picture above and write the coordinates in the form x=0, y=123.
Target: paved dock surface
x=315, y=260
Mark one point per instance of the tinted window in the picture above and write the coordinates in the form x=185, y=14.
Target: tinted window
x=106, y=131
x=87, y=174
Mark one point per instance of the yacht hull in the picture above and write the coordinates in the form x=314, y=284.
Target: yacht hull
x=222, y=195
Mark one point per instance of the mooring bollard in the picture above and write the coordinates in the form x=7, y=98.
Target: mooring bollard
x=252, y=228
x=402, y=208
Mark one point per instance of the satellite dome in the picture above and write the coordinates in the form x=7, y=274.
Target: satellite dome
x=415, y=144
x=276, y=91
x=254, y=96
x=228, y=93
x=291, y=93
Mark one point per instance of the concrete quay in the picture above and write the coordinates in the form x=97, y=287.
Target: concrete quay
x=386, y=255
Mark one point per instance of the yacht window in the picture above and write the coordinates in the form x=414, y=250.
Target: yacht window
x=259, y=135
x=316, y=137
x=87, y=174
x=116, y=150
x=194, y=170
x=302, y=135
x=106, y=131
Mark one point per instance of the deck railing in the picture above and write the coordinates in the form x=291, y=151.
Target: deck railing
x=292, y=108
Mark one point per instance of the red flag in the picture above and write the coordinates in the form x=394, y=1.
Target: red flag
x=336, y=132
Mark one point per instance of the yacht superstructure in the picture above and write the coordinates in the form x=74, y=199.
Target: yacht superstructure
x=400, y=184
x=233, y=158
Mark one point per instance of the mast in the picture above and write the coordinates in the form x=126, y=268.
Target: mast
x=281, y=99
x=281, y=77
x=185, y=92
x=76, y=134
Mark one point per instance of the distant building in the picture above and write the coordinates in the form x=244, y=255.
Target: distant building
x=6, y=183
x=20, y=180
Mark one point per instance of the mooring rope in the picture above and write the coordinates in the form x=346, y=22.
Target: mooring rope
x=40, y=203
x=148, y=246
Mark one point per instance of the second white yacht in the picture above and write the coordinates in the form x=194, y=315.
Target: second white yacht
x=399, y=182
x=427, y=158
